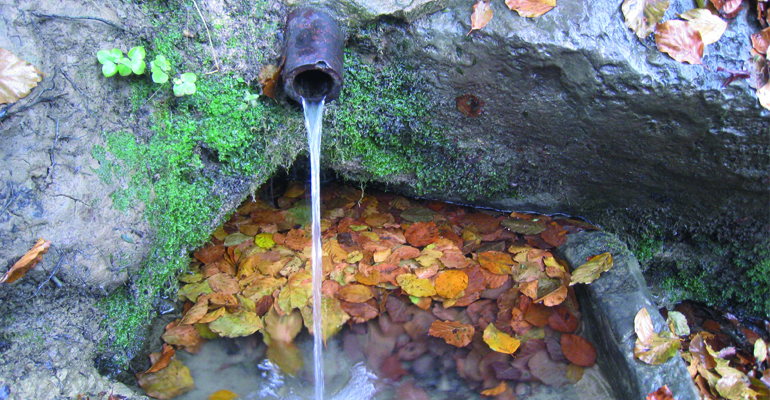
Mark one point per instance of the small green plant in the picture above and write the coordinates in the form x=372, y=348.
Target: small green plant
x=114, y=62
x=160, y=68
x=185, y=84
x=249, y=99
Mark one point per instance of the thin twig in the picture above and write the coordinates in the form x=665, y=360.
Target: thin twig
x=213, y=52
x=58, y=283
x=11, y=197
x=53, y=146
x=112, y=24
x=73, y=84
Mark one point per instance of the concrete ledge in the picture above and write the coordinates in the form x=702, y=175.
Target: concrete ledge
x=609, y=306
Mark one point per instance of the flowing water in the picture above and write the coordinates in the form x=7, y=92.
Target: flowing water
x=313, y=118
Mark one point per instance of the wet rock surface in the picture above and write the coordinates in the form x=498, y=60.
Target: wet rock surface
x=610, y=304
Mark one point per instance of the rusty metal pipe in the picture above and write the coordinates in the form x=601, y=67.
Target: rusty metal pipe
x=313, y=65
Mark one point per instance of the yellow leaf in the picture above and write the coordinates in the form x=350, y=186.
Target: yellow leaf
x=242, y=323
x=28, y=260
x=17, y=77
x=591, y=270
x=482, y=14
x=451, y=283
x=355, y=293
x=496, y=262
x=760, y=350
x=500, y=342
x=333, y=249
x=264, y=240
x=710, y=26
x=453, y=332
x=223, y=395
x=295, y=190
x=495, y=390
x=531, y=8
x=643, y=15
x=169, y=382
x=415, y=286
x=286, y=356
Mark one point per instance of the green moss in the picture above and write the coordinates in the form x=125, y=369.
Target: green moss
x=382, y=122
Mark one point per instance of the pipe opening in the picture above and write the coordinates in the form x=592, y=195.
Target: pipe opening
x=313, y=84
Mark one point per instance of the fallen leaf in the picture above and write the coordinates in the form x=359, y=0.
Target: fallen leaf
x=710, y=26
x=482, y=14
x=33, y=256
x=418, y=214
x=17, y=77
x=500, y=341
x=524, y=226
x=469, y=105
x=680, y=40
x=698, y=349
x=660, y=348
x=727, y=6
x=361, y=312
x=760, y=351
x=223, y=395
x=495, y=390
x=163, y=360
x=591, y=270
x=578, y=350
x=760, y=41
x=562, y=320
x=282, y=328
x=264, y=240
x=196, y=312
x=734, y=387
x=663, y=393
x=169, y=382
x=496, y=262
x=268, y=78
x=677, y=322
x=549, y=372
x=643, y=15
x=763, y=94
x=449, y=284
x=415, y=286
x=333, y=317
x=355, y=293
x=453, y=332
x=241, y=323
x=531, y=8
x=183, y=335
x=643, y=326
x=287, y=356
x=422, y=233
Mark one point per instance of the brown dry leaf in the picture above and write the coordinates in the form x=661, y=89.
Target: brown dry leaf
x=361, y=312
x=209, y=253
x=469, y=105
x=643, y=15
x=224, y=283
x=163, y=360
x=17, y=77
x=554, y=298
x=592, y=269
x=28, y=260
x=169, y=382
x=287, y=356
x=355, y=293
x=197, y=311
x=680, y=40
x=283, y=328
x=531, y=8
x=529, y=289
x=454, y=333
x=643, y=326
x=422, y=233
x=496, y=262
x=562, y=320
x=482, y=14
x=663, y=393
x=296, y=240
x=578, y=350
x=495, y=390
x=268, y=78
x=183, y=335
x=727, y=6
x=710, y=26
x=760, y=41
x=212, y=316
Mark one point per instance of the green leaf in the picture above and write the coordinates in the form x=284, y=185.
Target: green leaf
x=103, y=56
x=162, y=63
x=138, y=66
x=137, y=53
x=159, y=76
x=109, y=69
x=124, y=70
x=677, y=322
x=661, y=347
x=184, y=85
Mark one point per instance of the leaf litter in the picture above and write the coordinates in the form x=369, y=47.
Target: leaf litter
x=394, y=265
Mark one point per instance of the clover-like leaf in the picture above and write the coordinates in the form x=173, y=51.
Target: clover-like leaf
x=109, y=69
x=137, y=53
x=185, y=84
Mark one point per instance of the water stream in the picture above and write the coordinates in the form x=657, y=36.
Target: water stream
x=313, y=118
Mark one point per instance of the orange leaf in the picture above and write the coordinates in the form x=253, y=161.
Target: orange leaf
x=422, y=233
x=496, y=262
x=578, y=350
x=163, y=360
x=469, y=105
x=562, y=320
x=663, y=393
x=482, y=14
x=183, y=335
x=495, y=390
x=360, y=312
x=679, y=40
x=197, y=311
x=450, y=284
x=499, y=341
x=538, y=315
x=27, y=261
x=453, y=332
x=268, y=78
x=727, y=6
x=210, y=253
x=554, y=298
x=355, y=293
x=761, y=40
x=531, y=8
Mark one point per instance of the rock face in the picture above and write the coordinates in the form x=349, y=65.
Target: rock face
x=609, y=306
